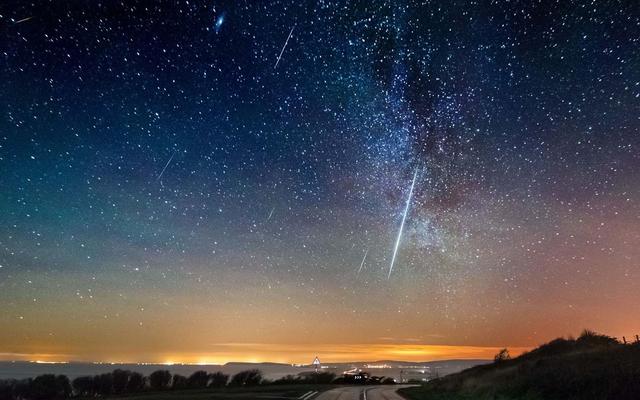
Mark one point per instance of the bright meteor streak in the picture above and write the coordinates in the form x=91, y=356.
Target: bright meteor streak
x=404, y=217
x=22, y=20
x=283, y=47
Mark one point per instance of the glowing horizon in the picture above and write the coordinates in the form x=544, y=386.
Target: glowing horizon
x=328, y=354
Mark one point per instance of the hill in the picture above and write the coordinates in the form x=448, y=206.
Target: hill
x=592, y=367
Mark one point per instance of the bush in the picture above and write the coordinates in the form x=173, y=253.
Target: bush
x=179, y=382
x=218, y=379
x=199, y=379
x=160, y=380
x=251, y=377
x=503, y=355
x=49, y=387
x=287, y=380
x=6, y=389
x=21, y=389
x=592, y=339
x=83, y=386
x=137, y=382
x=120, y=380
x=103, y=384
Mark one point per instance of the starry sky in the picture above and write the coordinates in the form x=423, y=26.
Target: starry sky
x=227, y=180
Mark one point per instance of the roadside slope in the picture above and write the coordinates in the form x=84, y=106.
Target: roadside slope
x=592, y=367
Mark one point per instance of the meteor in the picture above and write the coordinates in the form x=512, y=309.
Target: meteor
x=271, y=214
x=404, y=217
x=165, y=167
x=22, y=20
x=363, y=258
x=283, y=47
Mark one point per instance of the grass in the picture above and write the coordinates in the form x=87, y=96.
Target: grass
x=592, y=367
x=424, y=393
x=239, y=393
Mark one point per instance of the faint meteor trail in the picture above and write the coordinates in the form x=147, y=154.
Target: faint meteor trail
x=284, y=47
x=404, y=217
x=165, y=167
x=363, y=258
x=22, y=20
x=271, y=214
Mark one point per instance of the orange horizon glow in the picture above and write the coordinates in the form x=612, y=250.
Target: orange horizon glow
x=295, y=354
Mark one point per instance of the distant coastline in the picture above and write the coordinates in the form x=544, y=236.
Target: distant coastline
x=271, y=370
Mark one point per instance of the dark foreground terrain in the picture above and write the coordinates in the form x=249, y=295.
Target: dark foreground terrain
x=163, y=385
x=293, y=392
x=592, y=367
x=257, y=392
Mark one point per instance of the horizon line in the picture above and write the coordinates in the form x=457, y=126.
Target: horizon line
x=287, y=355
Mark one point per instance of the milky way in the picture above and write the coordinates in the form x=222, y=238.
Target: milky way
x=180, y=170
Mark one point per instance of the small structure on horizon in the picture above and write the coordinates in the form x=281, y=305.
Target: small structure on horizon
x=316, y=363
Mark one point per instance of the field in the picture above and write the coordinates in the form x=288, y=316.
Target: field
x=244, y=393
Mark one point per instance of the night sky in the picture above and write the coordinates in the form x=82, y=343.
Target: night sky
x=227, y=180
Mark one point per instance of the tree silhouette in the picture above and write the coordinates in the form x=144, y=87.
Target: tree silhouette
x=63, y=386
x=160, y=380
x=49, y=387
x=103, y=383
x=84, y=386
x=198, y=379
x=136, y=383
x=179, y=382
x=503, y=355
x=6, y=389
x=250, y=377
x=218, y=379
x=120, y=380
x=22, y=389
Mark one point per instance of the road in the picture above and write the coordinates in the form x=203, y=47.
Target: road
x=362, y=393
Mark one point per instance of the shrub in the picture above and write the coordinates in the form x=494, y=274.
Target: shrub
x=160, y=380
x=198, y=379
x=250, y=377
x=503, y=355
x=137, y=382
x=120, y=380
x=49, y=387
x=103, y=383
x=218, y=379
x=179, y=382
x=83, y=386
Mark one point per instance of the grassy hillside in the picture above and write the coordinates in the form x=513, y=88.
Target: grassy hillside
x=592, y=367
